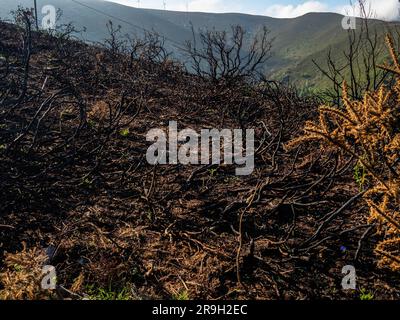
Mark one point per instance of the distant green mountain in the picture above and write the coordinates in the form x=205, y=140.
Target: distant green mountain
x=297, y=41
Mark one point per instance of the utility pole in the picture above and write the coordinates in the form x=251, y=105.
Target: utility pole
x=36, y=15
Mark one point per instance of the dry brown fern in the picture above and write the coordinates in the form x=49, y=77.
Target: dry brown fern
x=369, y=130
x=99, y=112
x=22, y=275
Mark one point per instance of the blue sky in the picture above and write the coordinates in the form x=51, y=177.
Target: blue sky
x=383, y=9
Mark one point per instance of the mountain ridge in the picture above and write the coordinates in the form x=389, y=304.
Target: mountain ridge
x=297, y=40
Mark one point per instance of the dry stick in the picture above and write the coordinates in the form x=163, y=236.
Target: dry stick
x=292, y=167
x=6, y=226
x=148, y=193
x=266, y=131
x=39, y=110
x=239, y=250
x=61, y=288
x=250, y=201
x=199, y=170
x=361, y=241
x=27, y=58
x=331, y=216
x=316, y=244
x=277, y=146
x=319, y=181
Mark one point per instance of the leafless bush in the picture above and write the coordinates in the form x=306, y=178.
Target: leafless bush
x=62, y=32
x=114, y=43
x=24, y=19
x=229, y=56
x=357, y=65
x=150, y=48
x=154, y=49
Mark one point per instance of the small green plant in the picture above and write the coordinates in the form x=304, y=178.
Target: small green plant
x=366, y=296
x=87, y=182
x=91, y=124
x=149, y=214
x=124, y=132
x=213, y=172
x=360, y=175
x=101, y=294
x=17, y=267
x=182, y=296
x=232, y=179
x=3, y=147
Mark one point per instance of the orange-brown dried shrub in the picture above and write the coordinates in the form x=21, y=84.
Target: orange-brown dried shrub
x=369, y=130
x=99, y=112
x=22, y=275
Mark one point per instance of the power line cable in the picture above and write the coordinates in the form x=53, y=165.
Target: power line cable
x=173, y=42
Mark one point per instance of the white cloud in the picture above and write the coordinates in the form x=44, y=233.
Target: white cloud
x=380, y=9
x=291, y=11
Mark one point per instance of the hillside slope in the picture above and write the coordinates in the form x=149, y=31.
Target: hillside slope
x=297, y=41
